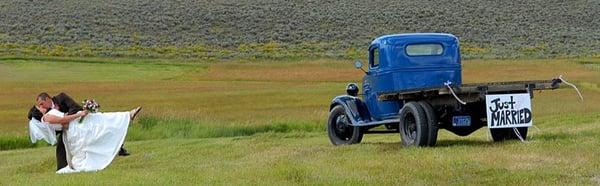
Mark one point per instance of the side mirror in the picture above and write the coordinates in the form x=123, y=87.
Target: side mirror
x=358, y=64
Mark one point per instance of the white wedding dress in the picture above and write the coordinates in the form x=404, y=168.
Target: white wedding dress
x=90, y=145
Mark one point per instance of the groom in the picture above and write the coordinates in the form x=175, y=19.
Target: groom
x=64, y=103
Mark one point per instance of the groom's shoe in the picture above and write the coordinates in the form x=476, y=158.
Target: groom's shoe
x=135, y=112
x=123, y=152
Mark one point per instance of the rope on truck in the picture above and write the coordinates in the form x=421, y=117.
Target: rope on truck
x=448, y=83
x=519, y=135
x=572, y=85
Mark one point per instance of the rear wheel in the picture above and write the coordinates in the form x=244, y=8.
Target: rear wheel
x=339, y=129
x=431, y=123
x=414, y=129
x=508, y=134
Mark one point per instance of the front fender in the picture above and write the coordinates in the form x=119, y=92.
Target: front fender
x=355, y=108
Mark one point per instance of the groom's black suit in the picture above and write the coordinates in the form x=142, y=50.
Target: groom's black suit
x=65, y=104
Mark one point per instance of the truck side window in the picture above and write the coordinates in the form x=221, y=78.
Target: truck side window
x=374, y=57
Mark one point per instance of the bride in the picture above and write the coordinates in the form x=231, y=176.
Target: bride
x=91, y=144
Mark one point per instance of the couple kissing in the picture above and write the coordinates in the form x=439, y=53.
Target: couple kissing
x=86, y=141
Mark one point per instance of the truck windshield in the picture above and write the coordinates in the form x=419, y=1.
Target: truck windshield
x=424, y=49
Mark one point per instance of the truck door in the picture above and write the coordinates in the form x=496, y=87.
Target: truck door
x=377, y=80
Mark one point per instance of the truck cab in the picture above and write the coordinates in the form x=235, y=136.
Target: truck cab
x=405, y=62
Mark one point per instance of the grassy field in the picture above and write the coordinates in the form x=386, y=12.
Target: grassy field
x=263, y=122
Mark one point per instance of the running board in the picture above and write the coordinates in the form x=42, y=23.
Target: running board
x=381, y=131
x=388, y=121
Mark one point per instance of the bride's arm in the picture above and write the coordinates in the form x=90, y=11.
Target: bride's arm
x=63, y=120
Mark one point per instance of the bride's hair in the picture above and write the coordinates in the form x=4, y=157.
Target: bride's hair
x=35, y=113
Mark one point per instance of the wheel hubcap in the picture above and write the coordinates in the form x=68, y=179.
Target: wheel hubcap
x=410, y=127
x=342, y=127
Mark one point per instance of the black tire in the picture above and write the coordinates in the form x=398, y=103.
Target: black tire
x=413, y=125
x=339, y=129
x=508, y=134
x=431, y=123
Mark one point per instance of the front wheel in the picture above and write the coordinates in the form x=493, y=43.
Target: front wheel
x=339, y=129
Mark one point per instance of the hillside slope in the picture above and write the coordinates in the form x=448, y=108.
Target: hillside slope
x=297, y=28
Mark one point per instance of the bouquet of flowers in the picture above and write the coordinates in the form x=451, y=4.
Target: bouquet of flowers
x=91, y=106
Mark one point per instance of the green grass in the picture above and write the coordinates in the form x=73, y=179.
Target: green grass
x=551, y=157
x=263, y=122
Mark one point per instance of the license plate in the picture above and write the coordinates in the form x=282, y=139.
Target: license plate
x=461, y=121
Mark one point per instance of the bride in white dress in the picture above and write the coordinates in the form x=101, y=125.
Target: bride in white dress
x=92, y=144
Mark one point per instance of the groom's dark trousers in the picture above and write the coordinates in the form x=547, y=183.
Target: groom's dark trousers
x=65, y=104
x=61, y=152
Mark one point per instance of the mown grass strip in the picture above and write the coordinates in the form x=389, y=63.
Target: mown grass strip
x=18, y=142
x=150, y=128
x=160, y=128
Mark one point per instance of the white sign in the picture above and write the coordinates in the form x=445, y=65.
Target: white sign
x=508, y=110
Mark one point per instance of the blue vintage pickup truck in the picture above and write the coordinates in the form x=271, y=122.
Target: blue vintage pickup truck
x=413, y=86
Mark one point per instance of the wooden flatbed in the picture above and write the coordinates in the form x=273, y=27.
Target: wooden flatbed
x=472, y=89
